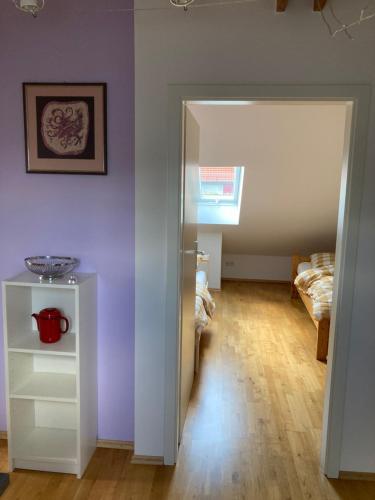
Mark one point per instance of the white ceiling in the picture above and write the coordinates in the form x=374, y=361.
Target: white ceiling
x=292, y=155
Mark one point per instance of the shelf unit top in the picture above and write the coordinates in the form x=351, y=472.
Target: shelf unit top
x=30, y=279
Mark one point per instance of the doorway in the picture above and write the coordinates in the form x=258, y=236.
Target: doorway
x=351, y=188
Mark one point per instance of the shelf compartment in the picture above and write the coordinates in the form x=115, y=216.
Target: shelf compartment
x=22, y=301
x=43, y=431
x=47, y=445
x=29, y=343
x=35, y=376
x=47, y=386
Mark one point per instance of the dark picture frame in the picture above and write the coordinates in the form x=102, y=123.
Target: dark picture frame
x=65, y=128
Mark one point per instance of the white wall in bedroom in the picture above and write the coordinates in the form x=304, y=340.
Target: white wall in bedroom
x=256, y=267
x=246, y=43
x=292, y=154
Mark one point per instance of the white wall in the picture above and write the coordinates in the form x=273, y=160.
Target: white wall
x=256, y=267
x=211, y=243
x=240, y=44
x=292, y=154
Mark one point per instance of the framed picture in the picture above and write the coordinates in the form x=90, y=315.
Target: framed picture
x=65, y=128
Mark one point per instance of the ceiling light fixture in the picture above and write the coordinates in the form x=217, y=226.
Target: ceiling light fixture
x=181, y=3
x=30, y=6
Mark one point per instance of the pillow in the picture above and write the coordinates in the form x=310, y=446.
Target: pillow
x=303, y=266
x=322, y=259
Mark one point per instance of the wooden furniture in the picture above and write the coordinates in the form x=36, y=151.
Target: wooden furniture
x=323, y=325
x=51, y=389
x=318, y=5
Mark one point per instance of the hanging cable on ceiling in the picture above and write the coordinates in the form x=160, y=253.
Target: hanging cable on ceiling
x=185, y=4
x=365, y=15
x=35, y=6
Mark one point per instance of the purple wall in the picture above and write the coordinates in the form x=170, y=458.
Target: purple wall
x=90, y=217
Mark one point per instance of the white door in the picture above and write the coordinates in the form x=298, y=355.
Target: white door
x=190, y=190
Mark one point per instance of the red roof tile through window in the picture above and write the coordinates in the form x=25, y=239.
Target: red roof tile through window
x=217, y=174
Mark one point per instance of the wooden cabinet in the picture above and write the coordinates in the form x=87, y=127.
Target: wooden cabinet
x=51, y=389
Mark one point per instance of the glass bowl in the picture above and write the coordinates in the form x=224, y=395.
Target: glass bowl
x=51, y=267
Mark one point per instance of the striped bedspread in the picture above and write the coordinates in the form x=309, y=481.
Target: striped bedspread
x=318, y=284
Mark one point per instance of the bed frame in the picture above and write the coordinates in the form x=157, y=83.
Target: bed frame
x=322, y=326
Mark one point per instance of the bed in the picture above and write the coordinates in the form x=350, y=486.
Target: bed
x=321, y=319
x=204, y=310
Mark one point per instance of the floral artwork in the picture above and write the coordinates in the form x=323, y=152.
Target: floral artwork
x=65, y=126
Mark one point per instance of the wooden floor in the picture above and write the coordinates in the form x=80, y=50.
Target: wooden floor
x=254, y=425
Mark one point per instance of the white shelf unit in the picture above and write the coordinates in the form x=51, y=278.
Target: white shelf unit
x=51, y=389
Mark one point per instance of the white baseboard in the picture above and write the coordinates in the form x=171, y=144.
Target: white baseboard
x=147, y=460
x=117, y=445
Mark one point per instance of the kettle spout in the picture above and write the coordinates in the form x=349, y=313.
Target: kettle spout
x=36, y=316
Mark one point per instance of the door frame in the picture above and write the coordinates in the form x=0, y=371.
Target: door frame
x=358, y=99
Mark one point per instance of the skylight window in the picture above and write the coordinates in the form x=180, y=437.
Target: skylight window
x=220, y=195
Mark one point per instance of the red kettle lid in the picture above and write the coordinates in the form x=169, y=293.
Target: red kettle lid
x=50, y=313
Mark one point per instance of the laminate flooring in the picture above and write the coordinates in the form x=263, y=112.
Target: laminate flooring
x=253, y=429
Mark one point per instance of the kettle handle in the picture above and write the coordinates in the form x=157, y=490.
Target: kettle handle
x=36, y=317
x=66, y=326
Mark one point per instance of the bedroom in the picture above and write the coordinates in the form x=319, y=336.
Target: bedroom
x=269, y=189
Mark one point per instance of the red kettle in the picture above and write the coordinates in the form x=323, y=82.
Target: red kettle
x=49, y=325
